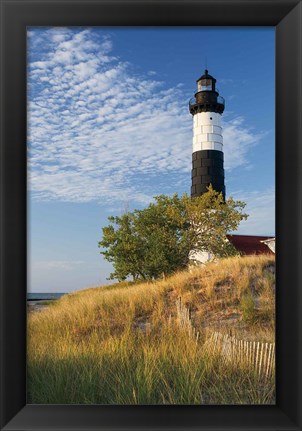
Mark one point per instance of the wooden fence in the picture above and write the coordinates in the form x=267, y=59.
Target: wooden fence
x=255, y=355
x=184, y=320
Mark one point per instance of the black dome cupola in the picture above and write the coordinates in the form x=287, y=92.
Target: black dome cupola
x=206, y=98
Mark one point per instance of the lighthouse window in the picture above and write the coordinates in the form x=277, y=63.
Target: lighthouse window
x=206, y=85
x=211, y=118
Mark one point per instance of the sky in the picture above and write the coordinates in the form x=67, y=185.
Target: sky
x=109, y=128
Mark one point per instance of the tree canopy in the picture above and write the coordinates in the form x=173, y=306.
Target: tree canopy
x=162, y=237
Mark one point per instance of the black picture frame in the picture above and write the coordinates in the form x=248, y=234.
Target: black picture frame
x=285, y=16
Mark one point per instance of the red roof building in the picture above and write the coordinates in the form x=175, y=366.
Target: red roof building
x=249, y=244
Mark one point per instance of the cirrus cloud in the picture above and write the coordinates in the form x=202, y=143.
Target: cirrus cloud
x=98, y=131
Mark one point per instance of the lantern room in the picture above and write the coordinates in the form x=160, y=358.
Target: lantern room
x=206, y=98
x=206, y=82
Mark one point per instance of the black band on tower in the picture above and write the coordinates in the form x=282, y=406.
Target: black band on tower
x=207, y=168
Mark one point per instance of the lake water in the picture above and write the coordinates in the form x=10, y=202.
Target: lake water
x=43, y=296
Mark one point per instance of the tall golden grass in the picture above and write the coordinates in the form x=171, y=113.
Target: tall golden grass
x=121, y=344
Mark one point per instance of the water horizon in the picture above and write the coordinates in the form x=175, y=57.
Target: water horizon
x=36, y=296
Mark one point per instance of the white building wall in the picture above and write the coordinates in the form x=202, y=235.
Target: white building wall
x=198, y=257
x=271, y=243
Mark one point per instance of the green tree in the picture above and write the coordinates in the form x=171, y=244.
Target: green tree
x=124, y=248
x=160, y=238
x=211, y=219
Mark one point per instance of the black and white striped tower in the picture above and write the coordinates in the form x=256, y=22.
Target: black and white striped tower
x=207, y=159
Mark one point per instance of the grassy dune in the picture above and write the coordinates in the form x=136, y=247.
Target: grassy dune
x=122, y=344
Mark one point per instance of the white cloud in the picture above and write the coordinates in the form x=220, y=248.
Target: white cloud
x=238, y=140
x=97, y=132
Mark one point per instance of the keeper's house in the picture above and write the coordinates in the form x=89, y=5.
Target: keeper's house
x=249, y=244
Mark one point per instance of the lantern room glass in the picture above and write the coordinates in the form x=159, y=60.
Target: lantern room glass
x=205, y=85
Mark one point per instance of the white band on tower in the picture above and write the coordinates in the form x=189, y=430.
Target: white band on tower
x=207, y=131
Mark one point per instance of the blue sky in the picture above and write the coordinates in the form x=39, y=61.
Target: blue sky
x=109, y=128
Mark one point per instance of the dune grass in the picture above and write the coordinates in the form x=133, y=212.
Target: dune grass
x=122, y=344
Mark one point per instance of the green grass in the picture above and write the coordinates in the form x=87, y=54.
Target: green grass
x=118, y=345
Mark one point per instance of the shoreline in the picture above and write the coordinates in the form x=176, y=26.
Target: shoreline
x=38, y=304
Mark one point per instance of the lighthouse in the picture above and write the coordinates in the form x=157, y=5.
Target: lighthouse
x=206, y=108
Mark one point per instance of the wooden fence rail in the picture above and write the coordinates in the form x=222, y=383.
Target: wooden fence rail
x=184, y=320
x=253, y=354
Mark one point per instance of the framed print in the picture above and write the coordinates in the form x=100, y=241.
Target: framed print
x=103, y=134
x=58, y=63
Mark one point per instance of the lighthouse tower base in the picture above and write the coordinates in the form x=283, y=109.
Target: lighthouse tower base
x=200, y=257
